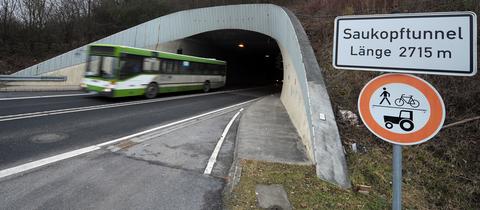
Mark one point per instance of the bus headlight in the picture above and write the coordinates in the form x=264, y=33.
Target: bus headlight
x=83, y=85
x=109, y=88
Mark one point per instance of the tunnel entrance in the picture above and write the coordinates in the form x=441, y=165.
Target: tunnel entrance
x=253, y=58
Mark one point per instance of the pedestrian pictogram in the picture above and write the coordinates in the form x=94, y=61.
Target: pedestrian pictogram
x=385, y=96
x=416, y=114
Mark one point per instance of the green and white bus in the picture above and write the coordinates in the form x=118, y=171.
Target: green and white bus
x=119, y=71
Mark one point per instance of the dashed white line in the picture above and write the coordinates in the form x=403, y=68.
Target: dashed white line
x=105, y=106
x=42, y=162
x=213, y=157
x=50, y=96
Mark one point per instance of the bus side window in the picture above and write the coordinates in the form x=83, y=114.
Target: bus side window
x=130, y=65
x=218, y=70
x=186, y=67
x=209, y=69
x=221, y=70
x=178, y=67
x=213, y=69
x=195, y=68
x=156, y=65
x=148, y=64
x=170, y=66
x=202, y=68
x=163, y=66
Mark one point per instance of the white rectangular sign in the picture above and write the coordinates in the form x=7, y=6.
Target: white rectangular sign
x=426, y=43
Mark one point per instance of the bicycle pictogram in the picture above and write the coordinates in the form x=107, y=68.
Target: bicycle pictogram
x=407, y=99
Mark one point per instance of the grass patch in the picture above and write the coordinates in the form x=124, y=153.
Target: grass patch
x=429, y=182
x=304, y=189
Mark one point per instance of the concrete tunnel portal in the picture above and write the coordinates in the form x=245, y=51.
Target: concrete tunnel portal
x=253, y=58
x=274, y=42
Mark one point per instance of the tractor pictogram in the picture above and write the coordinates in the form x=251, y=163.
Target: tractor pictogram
x=404, y=119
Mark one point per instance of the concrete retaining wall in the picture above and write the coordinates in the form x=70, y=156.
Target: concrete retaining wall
x=74, y=76
x=328, y=149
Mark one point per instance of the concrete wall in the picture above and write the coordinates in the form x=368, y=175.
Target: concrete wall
x=291, y=96
x=304, y=94
x=74, y=76
x=327, y=146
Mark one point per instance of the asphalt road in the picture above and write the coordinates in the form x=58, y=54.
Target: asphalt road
x=165, y=171
x=29, y=139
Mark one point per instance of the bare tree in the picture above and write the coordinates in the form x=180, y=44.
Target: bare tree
x=68, y=14
x=7, y=17
x=35, y=15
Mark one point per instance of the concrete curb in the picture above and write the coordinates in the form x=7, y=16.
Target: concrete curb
x=235, y=171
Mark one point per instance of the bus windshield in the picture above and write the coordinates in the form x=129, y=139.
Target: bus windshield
x=101, y=66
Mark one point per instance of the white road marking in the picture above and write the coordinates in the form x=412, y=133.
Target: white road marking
x=45, y=161
x=42, y=162
x=213, y=157
x=49, y=96
x=105, y=106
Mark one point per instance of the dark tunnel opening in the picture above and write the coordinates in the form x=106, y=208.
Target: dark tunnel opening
x=253, y=59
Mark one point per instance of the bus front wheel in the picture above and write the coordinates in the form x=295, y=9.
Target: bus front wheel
x=151, y=91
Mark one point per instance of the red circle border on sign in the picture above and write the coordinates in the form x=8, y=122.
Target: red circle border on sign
x=433, y=125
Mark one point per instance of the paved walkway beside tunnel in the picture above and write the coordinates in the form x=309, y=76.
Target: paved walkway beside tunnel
x=266, y=133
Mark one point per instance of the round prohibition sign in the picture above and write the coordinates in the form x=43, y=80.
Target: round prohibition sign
x=401, y=109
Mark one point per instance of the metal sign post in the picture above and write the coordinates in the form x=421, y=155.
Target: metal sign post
x=397, y=177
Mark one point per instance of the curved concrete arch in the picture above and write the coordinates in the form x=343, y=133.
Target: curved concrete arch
x=304, y=94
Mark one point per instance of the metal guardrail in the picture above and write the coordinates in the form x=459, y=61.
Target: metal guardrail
x=10, y=78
